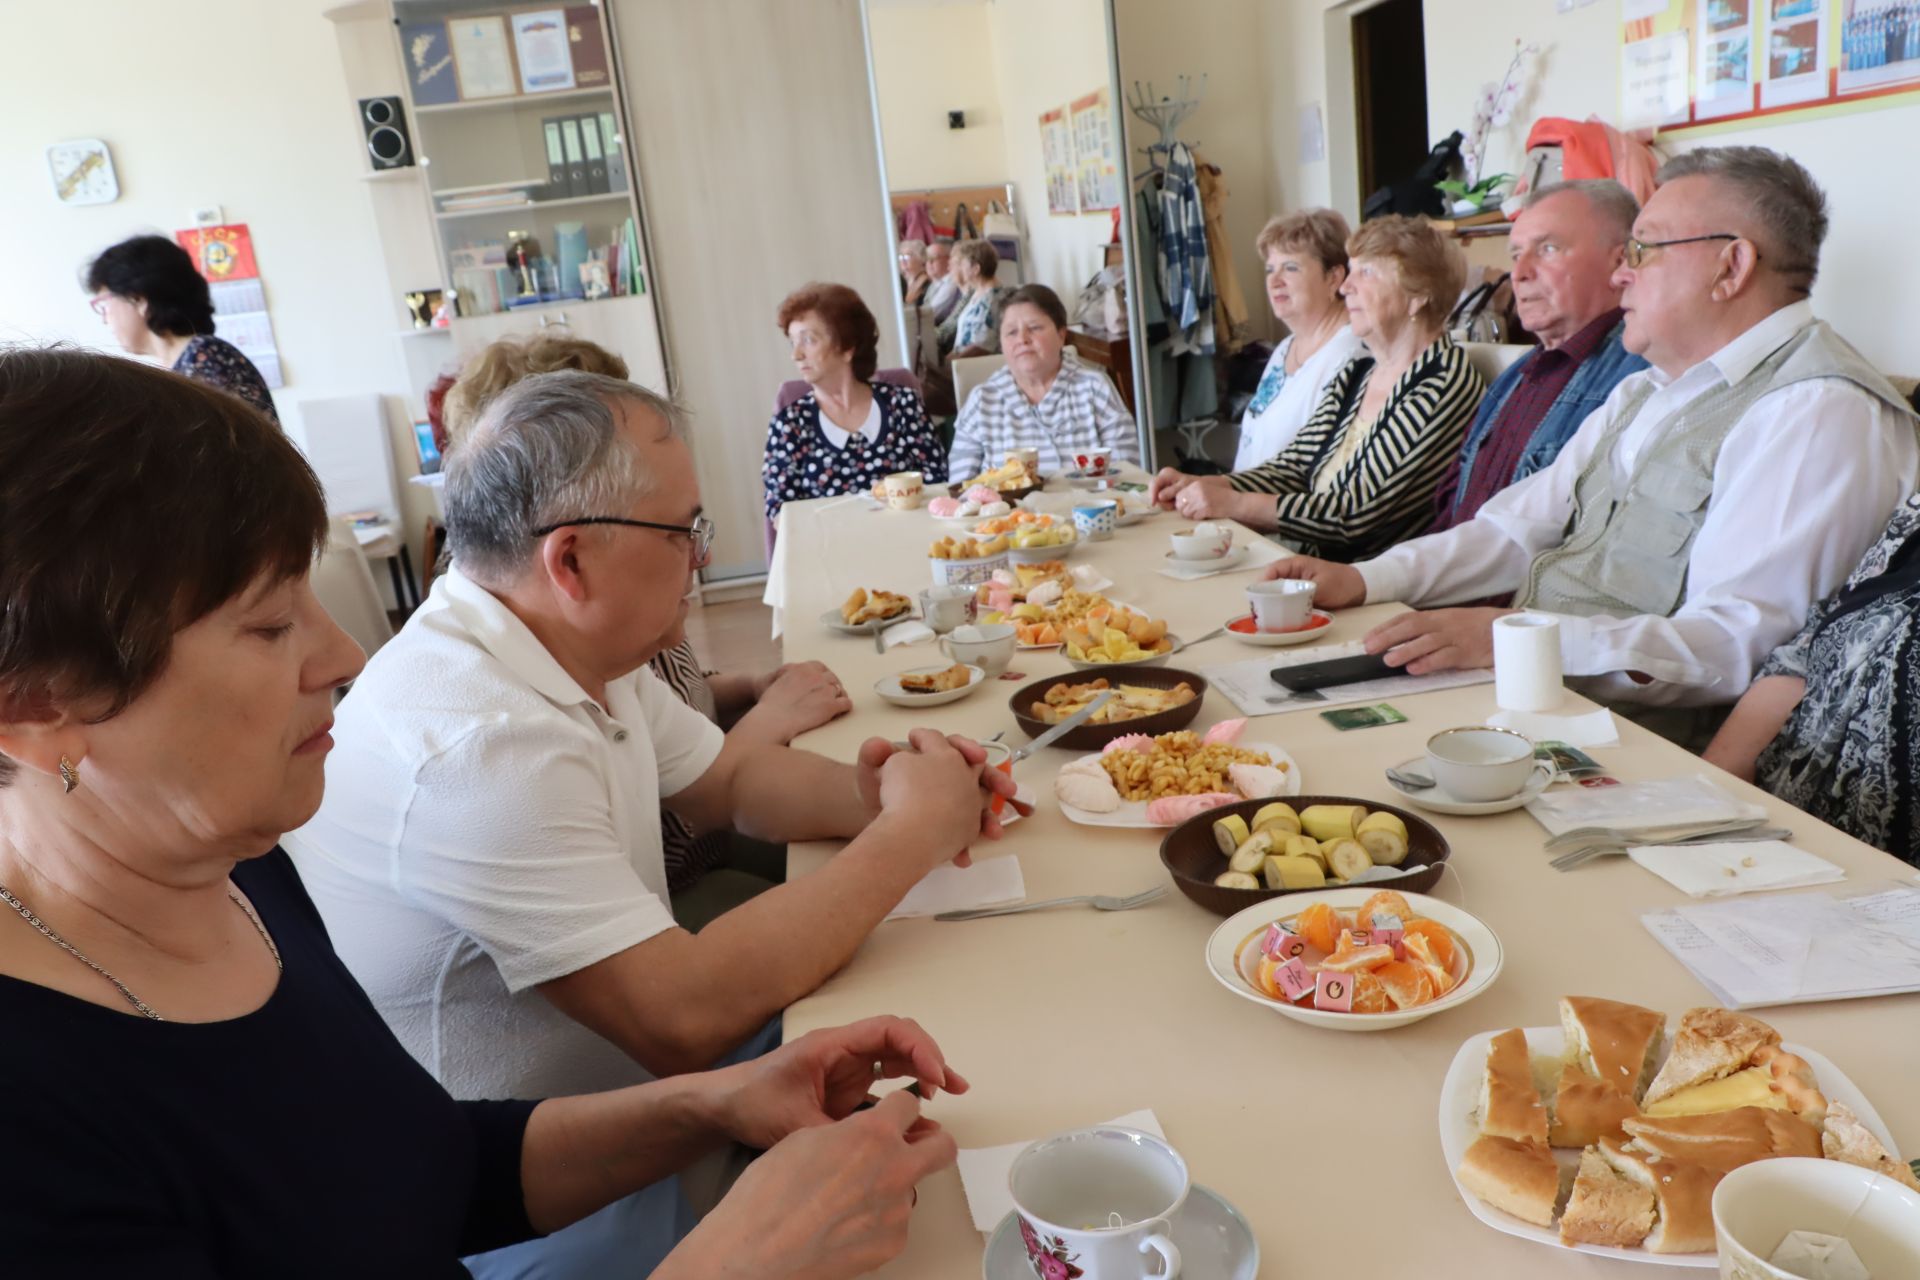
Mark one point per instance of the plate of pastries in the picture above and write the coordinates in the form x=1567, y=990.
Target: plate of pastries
x=865, y=611
x=930, y=686
x=1607, y=1135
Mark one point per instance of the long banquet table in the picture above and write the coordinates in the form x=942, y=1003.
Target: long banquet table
x=1327, y=1142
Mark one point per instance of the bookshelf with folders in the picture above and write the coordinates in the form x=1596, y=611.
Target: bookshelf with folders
x=519, y=125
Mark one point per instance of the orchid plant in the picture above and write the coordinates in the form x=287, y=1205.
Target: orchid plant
x=1493, y=109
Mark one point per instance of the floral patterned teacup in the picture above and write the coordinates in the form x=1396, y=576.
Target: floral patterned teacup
x=1098, y=1204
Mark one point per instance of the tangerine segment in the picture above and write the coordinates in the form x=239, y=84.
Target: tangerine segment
x=1387, y=903
x=1369, y=996
x=1347, y=958
x=1439, y=940
x=1420, y=954
x=1263, y=977
x=1319, y=924
x=1405, y=984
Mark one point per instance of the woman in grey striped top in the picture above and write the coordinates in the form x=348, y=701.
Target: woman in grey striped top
x=1361, y=475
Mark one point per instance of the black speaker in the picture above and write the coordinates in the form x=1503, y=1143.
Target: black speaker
x=385, y=124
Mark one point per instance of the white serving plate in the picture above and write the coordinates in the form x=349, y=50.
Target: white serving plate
x=1460, y=1093
x=1133, y=813
x=1157, y=660
x=888, y=687
x=1234, y=949
x=831, y=620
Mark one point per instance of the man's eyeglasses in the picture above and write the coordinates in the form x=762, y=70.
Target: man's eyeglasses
x=1638, y=250
x=99, y=305
x=700, y=531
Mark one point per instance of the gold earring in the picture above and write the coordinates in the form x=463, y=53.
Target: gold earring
x=69, y=775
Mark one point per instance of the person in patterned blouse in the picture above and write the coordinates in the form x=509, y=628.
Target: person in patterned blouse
x=849, y=431
x=1361, y=474
x=149, y=294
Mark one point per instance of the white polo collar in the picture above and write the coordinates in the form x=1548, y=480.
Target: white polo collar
x=1741, y=356
x=500, y=632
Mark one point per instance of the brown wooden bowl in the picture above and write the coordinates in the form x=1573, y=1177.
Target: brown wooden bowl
x=1092, y=737
x=1008, y=496
x=1191, y=854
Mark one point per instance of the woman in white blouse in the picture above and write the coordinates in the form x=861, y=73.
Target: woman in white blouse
x=1306, y=256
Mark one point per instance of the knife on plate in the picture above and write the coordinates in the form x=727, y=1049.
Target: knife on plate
x=1066, y=726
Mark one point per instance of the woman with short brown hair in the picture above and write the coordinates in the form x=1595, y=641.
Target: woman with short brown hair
x=1361, y=474
x=199, y=1087
x=848, y=431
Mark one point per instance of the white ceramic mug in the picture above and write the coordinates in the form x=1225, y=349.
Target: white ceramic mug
x=1281, y=604
x=945, y=608
x=986, y=645
x=1029, y=458
x=1482, y=763
x=1100, y=1200
x=903, y=489
x=1756, y=1205
x=1202, y=542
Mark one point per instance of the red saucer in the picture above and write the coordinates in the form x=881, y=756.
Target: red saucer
x=1245, y=626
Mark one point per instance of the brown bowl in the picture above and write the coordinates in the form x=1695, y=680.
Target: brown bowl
x=1092, y=737
x=1191, y=854
x=1009, y=496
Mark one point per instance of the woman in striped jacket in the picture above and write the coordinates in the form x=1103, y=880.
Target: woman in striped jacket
x=1361, y=474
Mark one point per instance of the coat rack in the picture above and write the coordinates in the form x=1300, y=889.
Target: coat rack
x=1164, y=113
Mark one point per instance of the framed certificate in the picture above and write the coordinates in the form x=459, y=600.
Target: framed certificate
x=540, y=40
x=481, y=56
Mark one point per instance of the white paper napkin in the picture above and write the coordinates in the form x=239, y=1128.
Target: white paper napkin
x=1720, y=870
x=989, y=882
x=1594, y=729
x=911, y=631
x=1089, y=579
x=983, y=1172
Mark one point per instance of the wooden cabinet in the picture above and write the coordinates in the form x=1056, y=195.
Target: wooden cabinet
x=1109, y=351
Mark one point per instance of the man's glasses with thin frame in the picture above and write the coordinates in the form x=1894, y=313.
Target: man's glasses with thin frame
x=1637, y=249
x=700, y=531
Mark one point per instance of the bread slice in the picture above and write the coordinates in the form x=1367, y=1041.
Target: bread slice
x=1851, y=1142
x=1682, y=1197
x=1613, y=1042
x=1606, y=1207
x=1510, y=1106
x=1709, y=1044
x=1793, y=1079
x=1520, y=1178
x=1586, y=1110
x=1724, y=1140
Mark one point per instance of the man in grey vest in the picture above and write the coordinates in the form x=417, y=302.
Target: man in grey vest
x=1690, y=522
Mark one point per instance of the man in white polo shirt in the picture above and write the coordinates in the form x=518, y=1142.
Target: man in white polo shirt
x=488, y=858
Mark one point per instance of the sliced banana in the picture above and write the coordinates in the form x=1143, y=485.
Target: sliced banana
x=1294, y=873
x=1326, y=822
x=1386, y=848
x=1281, y=816
x=1236, y=880
x=1347, y=858
x=1251, y=853
x=1230, y=833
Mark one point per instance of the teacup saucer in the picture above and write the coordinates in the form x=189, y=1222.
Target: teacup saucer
x=1210, y=564
x=1436, y=800
x=1213, y=1239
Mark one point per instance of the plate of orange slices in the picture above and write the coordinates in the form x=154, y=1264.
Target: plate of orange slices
x=1358, y=959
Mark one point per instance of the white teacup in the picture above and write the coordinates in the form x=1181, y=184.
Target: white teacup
x=903, y=489
x=1281, y=604
x=1756, y=1205
x=1482, y=763
x=1202, y=542
x=945, y=608
x=986, y=645
x=1102, y=1200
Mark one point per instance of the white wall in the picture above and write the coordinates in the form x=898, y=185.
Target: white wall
x=1859, y=158
x=265, y=129
x=1158, y=43
x=929, y=60
x=1046, y=53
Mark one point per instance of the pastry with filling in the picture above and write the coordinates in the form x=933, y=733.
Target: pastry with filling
x=1850, y=1142
x=954, y=677
x=1606, y=1206
x=1709, y=1045
x=1613, y=1042
x=1586, y=1110
x=1520, y=1178
x=1510, y=1106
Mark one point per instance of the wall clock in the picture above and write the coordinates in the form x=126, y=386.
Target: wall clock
x=82, y=172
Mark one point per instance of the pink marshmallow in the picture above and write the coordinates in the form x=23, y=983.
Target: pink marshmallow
x=1128, y=742
x=1225, y=731
x=1170, y=811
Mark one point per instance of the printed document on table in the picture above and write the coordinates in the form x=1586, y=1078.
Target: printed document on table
x=1248, y=686
x=1798, y=948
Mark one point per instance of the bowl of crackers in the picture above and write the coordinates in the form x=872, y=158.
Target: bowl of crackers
x=1149, y=700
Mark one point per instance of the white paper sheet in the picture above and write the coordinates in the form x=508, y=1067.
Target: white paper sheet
x=983, y=1171
x=1248, y=686
x=989, y=882
x=1723, y=870
x=1797, y=948
x=1633, y=806
x=1594, y=729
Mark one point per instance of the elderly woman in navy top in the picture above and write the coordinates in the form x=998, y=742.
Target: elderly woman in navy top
x=848, y=431
x=148, y=292
x=199, y=1087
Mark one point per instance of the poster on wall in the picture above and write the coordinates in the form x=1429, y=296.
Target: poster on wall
x=224, y=255
x=1096, y=152
x=1764, y=60
x=1056, y=155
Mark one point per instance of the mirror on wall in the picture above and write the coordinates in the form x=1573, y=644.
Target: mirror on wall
x=999, y=123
